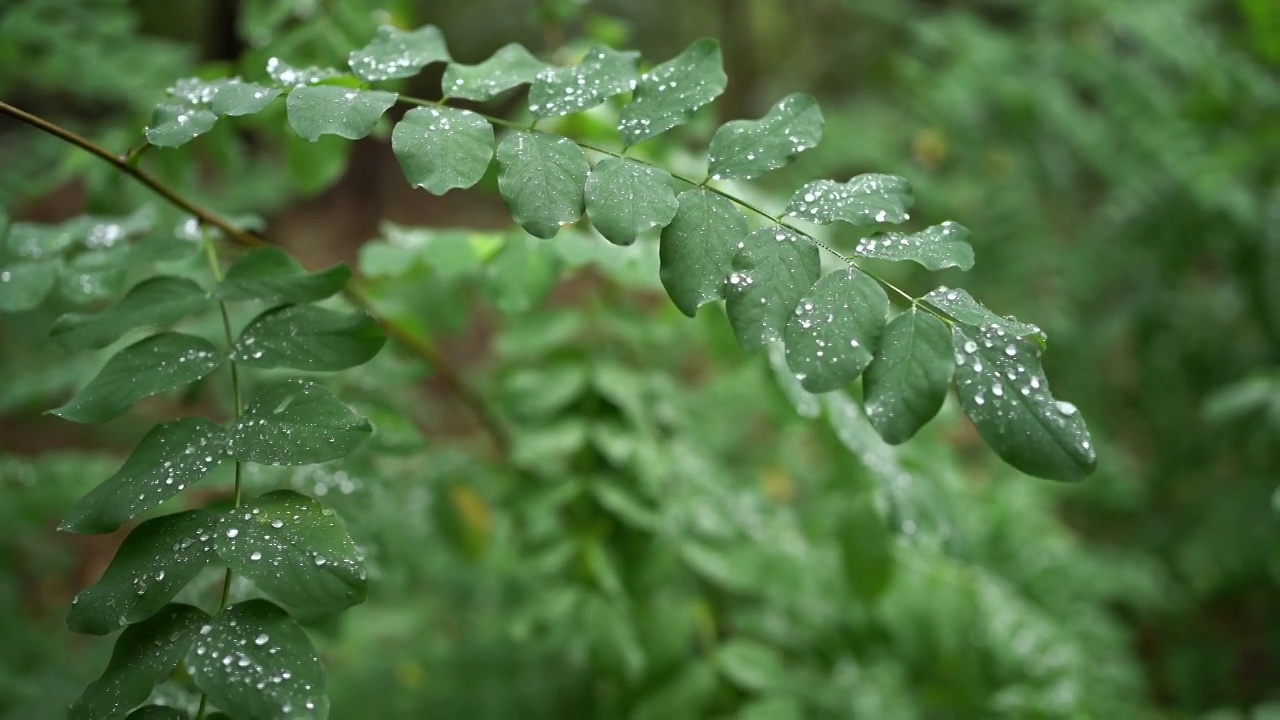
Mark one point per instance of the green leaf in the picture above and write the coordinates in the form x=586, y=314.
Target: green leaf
x=154, y=365
x=306, y=337
x=173, y=124
x=93, y=276
x=154, y=563
x=936, y=248
x=144, y=656
x=541, y=179
x=272, y=275
x=235, y=98
x=159, y=712
x=835, y=329
x=291, y=77
x=316, y=110
x=510, y=67
x=864, y=200
x=775, y=707
x=521, y=274
x=602, y=73
x=170, y=458
x=296, y=423
x=750, y=665
x=1003, y=390
x=866, y=549
x=697, y=248
x=668, y=94
x=256, y=663
x=750, y=148
x=772, y=270
x=906, y=383
x=294, y=550
x=25, y=285
x=39, y=242
x=961, y=306
x=157, y=302
x=622, y=504
x=396, y=53
x=442, y=148
x=625, y=198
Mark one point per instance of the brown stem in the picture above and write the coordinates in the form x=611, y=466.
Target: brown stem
x=406, y=338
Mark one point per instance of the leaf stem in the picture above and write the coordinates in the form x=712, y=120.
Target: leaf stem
x=410, y=341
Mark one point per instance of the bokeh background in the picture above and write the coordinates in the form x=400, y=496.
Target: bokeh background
x=1118, y=162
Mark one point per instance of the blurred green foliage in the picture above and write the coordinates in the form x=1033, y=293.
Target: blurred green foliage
x=673, y=536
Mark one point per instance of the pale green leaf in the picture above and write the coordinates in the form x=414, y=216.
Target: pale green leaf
x=316, y=110
x=170, y=458
x=154, y=563
x=906, y=383
x=510, y=67
x=272, y=275
x=541, y=178
x=936, y=248
x=154, y=365
x=25, y=285
x=296, y=423
x=94, y=276
x=864, y=200
x=306, y=337
x=697, y=248
x=1003, y=390
x=173, y=124
x=234, y=98
x=601, y=74
x=144, y=656
x=961, y=306
x=291, y=77
x=668, y=94
x=834, y=331
x=866, y=549
x=295, y=550
x=750, y=665
x=157, y=302
x=256, y=663
x=625, y=198
x=396, y=53
x=442, y=148
x=521, y=274
x=772, y=270
x=750, y=148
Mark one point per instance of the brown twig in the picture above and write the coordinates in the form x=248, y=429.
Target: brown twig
x=405, y=338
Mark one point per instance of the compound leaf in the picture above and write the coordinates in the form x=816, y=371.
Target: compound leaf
x=25, y=285
x=961, y=306
x=864, y=200
x=255, y=662
x=306, y=337
x=157, y=302
x=316, y=110
x=625, y=198
x=835, y=329
x=170, y=458
x=906, y=383
x=144, y=656
x=153, y=564
x=602, y=73
x=541, y=178
x=153, y=365
x=442, y=148
x=396, y=53
x=697, y=248
x=772, y=270
x=936, y=248
x=510, y=67
x=1003, y=390
x=296, y=551
x=750, y=148
x=272, y=275
x=296, y=423
x=668, y=95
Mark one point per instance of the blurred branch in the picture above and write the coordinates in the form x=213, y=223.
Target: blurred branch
x=409, y=340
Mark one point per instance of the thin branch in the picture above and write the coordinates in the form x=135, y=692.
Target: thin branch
x=410, y=341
